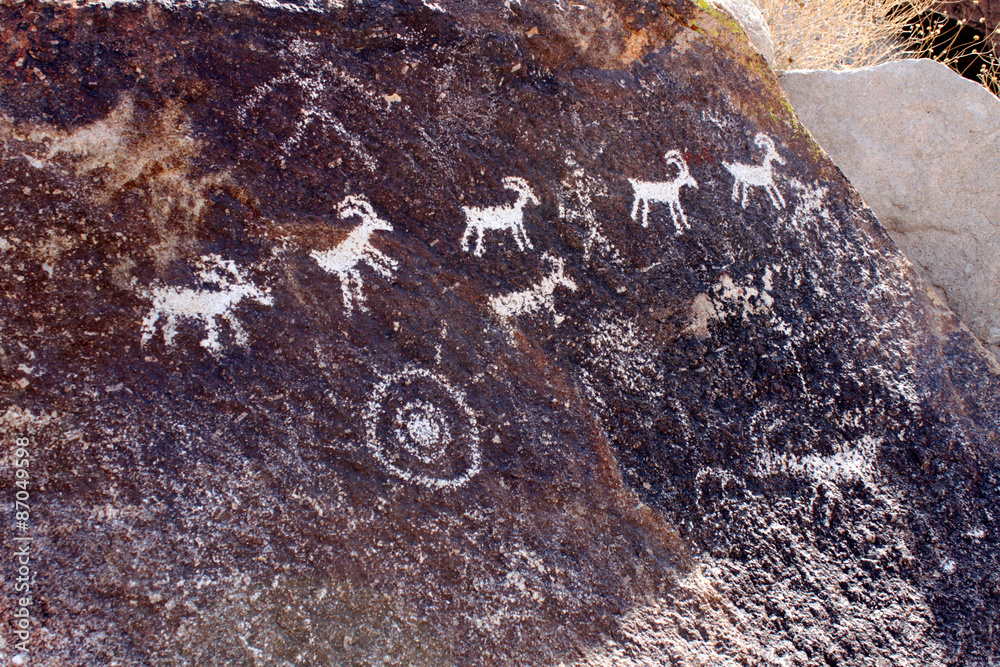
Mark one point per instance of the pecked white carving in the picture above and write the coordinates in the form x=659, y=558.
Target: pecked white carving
x=225, y=287
x=422, y=430
x=668, y=192
x=539, y=297
x=318, y=83
x=506, y=217
x=748, y=176
x=577, y=193
x=346, y=258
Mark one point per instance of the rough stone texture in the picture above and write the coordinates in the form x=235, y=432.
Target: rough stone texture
x=284, y=409
x=750, y=18
x=922, y=146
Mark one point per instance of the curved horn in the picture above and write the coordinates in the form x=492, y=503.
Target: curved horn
x=764, y=141
x=674, y=157
x=353, y=205
x=520, y=186
x=515, y=183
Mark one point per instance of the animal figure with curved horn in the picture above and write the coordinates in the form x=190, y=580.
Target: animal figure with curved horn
x=508, y=217
x=758, y=176
x=668, y=192
x=346, y=258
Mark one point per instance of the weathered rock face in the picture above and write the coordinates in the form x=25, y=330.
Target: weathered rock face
x=467, y=333
x=920, y=143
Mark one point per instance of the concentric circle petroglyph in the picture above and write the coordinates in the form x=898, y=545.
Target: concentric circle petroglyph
x=421, y=429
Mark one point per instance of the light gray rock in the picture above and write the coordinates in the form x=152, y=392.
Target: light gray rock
x=753, y=23
x=922, y=146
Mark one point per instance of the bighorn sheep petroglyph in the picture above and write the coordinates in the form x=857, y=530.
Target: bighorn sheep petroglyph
x=505, y=217
x=668, y=192
x=760, y=176
x=346, y=258
x=509, y=306
x=206, y=306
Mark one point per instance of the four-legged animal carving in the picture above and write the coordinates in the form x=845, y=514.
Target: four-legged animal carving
x=206, y=306
x=509, y=306
x=664, y=191
x=507, y=217
x=345, y=260
x=759, y=176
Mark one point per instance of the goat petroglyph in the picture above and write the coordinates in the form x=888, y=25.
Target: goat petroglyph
x=539, y=297
x=746, y=176
x=506, y=217
x=667, y=192
x=205, y=306
x=346, y=258
x=422, y=430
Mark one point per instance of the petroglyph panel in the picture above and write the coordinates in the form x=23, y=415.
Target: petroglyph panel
x=482, y=391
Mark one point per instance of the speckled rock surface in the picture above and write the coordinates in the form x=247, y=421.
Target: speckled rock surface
x=465, y=333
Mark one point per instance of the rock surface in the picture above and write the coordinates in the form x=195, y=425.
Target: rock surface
x=466, y=333
x=922, y=146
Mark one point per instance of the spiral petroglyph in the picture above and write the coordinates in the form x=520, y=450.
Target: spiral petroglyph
x=421, y=429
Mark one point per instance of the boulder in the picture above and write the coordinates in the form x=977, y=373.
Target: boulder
x=464, y=332
x=922, y=146
x=750, y=18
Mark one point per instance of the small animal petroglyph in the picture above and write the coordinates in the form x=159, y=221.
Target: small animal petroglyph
x=849, y=462
x=509, y=306
x=509, y=217
x=346, y=258
x=225, y=287
x=668, y=192
x=422, y=430
x=747, y=176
